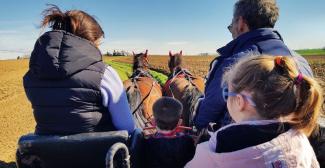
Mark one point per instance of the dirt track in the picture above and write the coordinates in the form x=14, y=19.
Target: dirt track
x=16, y=116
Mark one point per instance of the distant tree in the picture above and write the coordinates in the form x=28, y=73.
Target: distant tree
x=109, y=54
x=18, y=58
x=118, y=53
x=204, y=54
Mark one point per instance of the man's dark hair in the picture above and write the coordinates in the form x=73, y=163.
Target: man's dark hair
x=257, y=13
x=167, y=112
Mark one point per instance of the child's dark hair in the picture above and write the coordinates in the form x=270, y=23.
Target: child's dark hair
x=76, y=22
x=278, y=89
x=167, y=112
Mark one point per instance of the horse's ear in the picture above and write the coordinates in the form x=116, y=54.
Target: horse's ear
x=170, y=54
x=146, y=53
x=181, y=53
x=133, y=53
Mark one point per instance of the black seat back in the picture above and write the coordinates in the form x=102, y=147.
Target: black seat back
x=80, y=150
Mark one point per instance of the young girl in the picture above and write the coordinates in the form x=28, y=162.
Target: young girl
x=71, y=90
x=275, y=109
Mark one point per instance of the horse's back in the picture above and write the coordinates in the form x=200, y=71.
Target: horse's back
x=150, y=91
x=178, y=86
x=187, y=92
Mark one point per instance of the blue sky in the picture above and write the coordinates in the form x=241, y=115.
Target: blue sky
x=193, y=26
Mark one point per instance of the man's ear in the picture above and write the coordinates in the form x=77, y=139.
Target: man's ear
x=242, y=25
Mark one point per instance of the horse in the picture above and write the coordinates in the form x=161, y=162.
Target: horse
x=183, y=86
x=142, y=91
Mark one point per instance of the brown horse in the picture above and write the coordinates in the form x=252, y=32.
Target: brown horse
x=184, y=86
x=142, y=90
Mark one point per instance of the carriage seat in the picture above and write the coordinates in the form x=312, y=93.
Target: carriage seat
x=79, y=150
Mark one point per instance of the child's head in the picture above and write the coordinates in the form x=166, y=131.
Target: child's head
x=167, y=112
x=76, y=22
x=274, y=88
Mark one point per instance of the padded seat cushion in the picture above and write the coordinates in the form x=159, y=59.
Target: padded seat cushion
x=80, y=150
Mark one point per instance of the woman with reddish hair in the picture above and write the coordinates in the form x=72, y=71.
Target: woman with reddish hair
x=70, y=88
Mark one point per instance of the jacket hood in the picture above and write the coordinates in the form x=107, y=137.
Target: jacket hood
x=59, y=54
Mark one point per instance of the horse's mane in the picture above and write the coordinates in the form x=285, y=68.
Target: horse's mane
x=190, y=98
x=134, y=99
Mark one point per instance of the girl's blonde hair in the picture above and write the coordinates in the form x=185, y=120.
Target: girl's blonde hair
x=278, y=89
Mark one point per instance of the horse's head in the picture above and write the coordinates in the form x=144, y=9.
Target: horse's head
x=140, y=61
x=175, y=61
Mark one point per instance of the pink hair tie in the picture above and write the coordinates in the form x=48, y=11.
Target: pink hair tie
x=299, y=79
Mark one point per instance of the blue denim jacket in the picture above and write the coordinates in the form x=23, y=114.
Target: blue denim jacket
x=212, y=107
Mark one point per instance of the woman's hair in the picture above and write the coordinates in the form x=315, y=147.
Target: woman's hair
x=278, y=89
x=167, y=112
x=76, y=22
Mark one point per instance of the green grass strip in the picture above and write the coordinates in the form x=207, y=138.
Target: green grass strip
x=125, y=70
x=308, y=52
